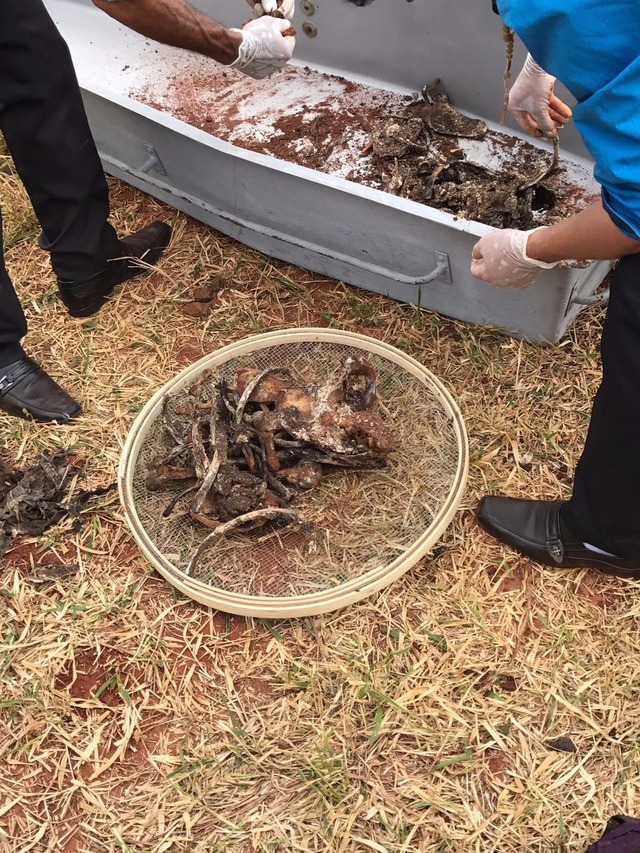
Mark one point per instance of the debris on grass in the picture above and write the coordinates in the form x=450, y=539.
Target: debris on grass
x=33, y=500
x=562, y=744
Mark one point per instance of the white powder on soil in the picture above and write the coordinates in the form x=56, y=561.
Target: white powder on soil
x=252, y=113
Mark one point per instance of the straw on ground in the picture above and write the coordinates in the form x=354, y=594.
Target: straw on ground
x=132, y=719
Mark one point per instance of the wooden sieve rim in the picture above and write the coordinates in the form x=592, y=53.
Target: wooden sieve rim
x=310, y=603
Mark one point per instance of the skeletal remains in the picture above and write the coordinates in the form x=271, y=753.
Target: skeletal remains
x=244, y=450
x=418, y=163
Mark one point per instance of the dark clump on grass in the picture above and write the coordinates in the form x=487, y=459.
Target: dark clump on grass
x=34, y=499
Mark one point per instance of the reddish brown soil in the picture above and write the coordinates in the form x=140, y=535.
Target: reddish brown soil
x=322, y=134
x=26, y=554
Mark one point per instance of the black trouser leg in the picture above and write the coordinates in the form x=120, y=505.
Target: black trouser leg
x=13, y=325
x=605, y=507
x=44, y=124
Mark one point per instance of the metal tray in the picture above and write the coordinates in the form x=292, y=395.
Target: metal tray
x=323, y=222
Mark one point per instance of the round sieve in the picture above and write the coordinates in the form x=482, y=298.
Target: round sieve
x=371, y=526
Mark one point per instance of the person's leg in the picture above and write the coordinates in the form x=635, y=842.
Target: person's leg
x=45, y=127
x=25, y=389
x=605, y=507
x=604, y=510
x=46, y=130
x=13, y=325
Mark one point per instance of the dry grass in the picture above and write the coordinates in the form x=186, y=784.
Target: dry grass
x=132, y=719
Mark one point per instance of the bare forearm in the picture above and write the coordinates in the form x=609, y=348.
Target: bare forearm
x=177, y=23
x=589, y=235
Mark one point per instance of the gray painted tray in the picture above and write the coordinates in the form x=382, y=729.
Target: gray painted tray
x=318, y=220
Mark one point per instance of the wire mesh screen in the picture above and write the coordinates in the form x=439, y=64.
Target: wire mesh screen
x=363, y=520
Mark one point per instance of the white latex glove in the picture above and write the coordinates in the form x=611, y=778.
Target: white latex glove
x=263, y=49
x=501, y=259
x=533, y=103
x=267, y=7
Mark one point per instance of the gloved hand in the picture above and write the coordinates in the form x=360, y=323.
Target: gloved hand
x=501, y=259
x=267, y=7
x=263, y=49
x=533, y=103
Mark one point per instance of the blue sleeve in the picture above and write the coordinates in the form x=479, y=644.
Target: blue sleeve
x=609, y=123
x=592, y=47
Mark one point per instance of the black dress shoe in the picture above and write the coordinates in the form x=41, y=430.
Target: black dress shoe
x=28, y=392
x=536, y=529
x=139, y=250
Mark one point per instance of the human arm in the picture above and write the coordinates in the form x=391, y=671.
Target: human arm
x=176, y=23
x=257, y=50
x=589, y=235
x=596, y=57
x=511, y=258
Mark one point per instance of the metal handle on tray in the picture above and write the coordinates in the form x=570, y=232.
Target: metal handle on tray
x=152, y=162
x=596, y=299
x=442, y=269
